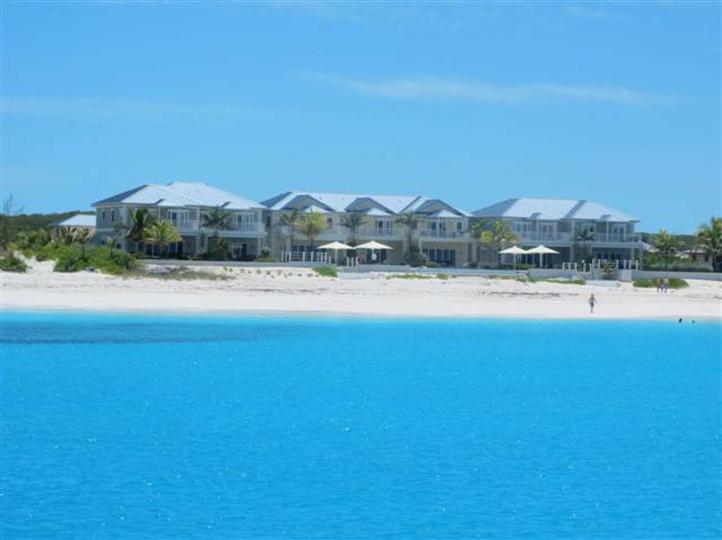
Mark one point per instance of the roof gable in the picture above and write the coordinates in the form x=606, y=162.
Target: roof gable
x=179, y=194
x=552, y=209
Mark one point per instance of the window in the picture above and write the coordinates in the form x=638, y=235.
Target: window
x=112, y=216
x=102, y=215
x=329, y=222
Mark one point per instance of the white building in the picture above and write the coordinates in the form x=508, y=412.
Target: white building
x=578, y=229
x=441, y=232
x=185, y=204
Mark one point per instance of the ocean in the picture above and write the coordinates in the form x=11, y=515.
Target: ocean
x=126, y=426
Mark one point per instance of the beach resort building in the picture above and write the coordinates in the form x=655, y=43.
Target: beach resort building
x=440, y=231
x=187, y=205
x=74, y=222
x=577, y=229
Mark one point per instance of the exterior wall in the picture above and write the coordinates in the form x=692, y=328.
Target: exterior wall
x=612, y=240
x=452, y=235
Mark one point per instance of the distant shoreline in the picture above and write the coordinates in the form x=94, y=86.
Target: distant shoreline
x=296, y=292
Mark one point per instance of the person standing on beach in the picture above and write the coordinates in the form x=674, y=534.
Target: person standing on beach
x=665, y=285
x=592, y=303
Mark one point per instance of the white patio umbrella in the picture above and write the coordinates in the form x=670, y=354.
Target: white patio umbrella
x=335, y=246
x=513, y=250
x=542, y=250
x=373, y=245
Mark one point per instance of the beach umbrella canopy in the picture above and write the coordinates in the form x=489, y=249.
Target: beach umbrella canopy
x=335, y=246
x=542, y=250
x=373, y=244
x=514, y=250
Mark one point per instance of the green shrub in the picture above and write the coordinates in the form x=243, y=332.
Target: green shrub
x=409, y=276
x=12, y=263
x=415, y=257
x=443, y=276
x=431, y=264
x=326, y=271
x=674, y=283
x=112, y=261
x=70, y=259
x=267, y=259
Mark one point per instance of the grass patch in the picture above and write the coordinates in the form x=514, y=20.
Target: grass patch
x=409, y=276
x=325, y=271
x=674, y=283
x=181, y=273
x=12, y=263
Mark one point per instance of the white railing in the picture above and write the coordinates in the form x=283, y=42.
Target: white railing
x=543, y=236
x=305, y=256
x=600, y=264
x=185, y=224
x=617, y=237
x=437, y=233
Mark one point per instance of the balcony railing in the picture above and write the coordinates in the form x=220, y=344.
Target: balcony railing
x=567, y=237
x=439, y=233
x=543, y=236
x=617, y=238
x=185, y=224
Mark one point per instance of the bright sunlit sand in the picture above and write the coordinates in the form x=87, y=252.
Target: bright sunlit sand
x=296, y=290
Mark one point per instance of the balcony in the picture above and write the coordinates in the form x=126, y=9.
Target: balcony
x=185, y=225
x=541, y=237
x=439, y=233
x=617, y=238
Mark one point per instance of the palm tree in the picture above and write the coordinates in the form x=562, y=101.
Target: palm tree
x=162, y=233
x=586, y=237
x=666, y=245
x=709, y=238
x=140, y=220
x=411, y=222
x=65, y=236
x=217, y=219
x=291, y=220
x=82, y=236
x=312, y=225
x=352, y=222
x=497, y=236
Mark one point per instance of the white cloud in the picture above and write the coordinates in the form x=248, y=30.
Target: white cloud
x=435, y=89
x=101, y=110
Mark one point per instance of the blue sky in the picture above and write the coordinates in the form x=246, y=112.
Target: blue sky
x=472, y=103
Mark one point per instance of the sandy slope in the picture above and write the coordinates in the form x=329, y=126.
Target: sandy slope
x=299, y=290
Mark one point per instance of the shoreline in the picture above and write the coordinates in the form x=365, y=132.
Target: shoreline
x=301, y=293
x=291, y=314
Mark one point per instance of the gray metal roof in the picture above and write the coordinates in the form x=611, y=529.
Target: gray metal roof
x=78, y=220
x=553, y=209
x=347, y=202
x=179, y=194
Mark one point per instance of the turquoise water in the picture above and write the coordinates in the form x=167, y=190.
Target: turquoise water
x=140, y=427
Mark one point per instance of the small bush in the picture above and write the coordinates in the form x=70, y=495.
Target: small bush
x=12, y=263
x=112, y=261
x=431, y=264
x=674, y=283
x=70, y=260
x=325, y=271
x=409, y=276
x=443, y=276
x=267, y=259
x=182, y=273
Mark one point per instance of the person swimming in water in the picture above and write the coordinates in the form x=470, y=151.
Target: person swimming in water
x=592, y=303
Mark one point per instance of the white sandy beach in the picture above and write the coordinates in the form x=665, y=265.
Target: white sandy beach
x=299, y=290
